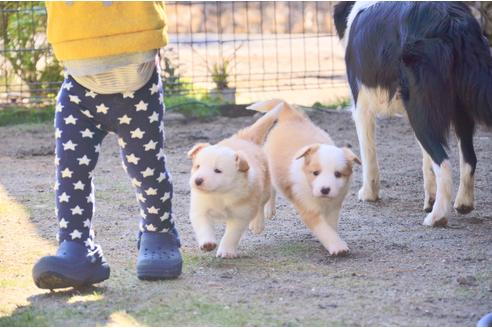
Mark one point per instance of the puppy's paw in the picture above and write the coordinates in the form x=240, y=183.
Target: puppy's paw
x=227, y=254
x=208, y=246
x=257, y=226
x=368, y=195
x=338, y=248
x=433, y=220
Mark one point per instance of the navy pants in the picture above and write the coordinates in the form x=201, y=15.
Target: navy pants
x=82, y=120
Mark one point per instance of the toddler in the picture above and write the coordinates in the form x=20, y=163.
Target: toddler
x=109, y=51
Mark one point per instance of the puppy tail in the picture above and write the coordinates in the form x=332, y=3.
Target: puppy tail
x=286, y=111
x=258, y=131
x=265, y=106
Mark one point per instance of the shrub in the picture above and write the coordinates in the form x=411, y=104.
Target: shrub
x=26, y=47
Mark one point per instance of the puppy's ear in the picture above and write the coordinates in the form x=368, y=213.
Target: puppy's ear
x=307, y=152
x=241, y=162
x=196, y=149
x=350, y=156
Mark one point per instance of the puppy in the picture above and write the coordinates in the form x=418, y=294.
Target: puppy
x=309, y=170
x=230, y=183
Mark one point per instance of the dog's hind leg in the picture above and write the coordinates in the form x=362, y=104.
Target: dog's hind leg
x=427, y=91
x=464, y=202
x=270, y=208
x=265, y=212
x=429, y=181
x=365, y=125
x=433, y=145
x=258, y=224
x=443, y=196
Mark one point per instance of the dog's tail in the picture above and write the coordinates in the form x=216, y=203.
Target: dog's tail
x=285, y=110
x=447, y=71
x=475, y=79
x=258, y=131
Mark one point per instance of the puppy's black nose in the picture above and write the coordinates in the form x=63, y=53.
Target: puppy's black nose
x=325, y=190
x=198, y=181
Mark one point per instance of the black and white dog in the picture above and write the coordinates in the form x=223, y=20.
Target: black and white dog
x=430, y=60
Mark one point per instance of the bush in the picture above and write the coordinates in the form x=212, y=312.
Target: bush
x=26, y=47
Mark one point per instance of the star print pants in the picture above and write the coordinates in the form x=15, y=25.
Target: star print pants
x=82, y=120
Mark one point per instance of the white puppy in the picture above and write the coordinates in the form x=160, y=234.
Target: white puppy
x=230, y=183
x=309, y=170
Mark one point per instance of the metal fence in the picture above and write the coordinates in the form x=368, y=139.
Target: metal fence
x=233, y=46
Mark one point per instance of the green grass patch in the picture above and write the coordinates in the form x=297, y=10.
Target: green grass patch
x=192, y=102
x=197, y=105
x=200, y=311
x=20, y=115
x=25, y=318
x=338, y=104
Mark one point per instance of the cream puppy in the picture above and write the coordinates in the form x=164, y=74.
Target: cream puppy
x=230, y=183
x=309, y=170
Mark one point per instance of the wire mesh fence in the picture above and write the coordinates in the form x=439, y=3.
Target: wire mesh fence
x=219, y=48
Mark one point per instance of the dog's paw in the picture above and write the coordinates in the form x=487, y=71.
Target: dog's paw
x=464, y=209
x=428, y=204
x=463, y=204
x=227, y=254
x=257, y=226
x=433, y=220
x=208, y=246
x=338, y=248
x=368, y=195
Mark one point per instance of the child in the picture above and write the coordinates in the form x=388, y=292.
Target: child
x=109, y=52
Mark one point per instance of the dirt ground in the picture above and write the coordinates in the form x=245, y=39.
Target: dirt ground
x=398, y=273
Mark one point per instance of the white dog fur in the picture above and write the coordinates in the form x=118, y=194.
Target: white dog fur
x=230, y=183
x=309, y=170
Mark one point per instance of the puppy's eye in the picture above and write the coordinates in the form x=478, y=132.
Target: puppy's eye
x=217, y=171
x=197, y=167
x=315, y=173
x=338, y=174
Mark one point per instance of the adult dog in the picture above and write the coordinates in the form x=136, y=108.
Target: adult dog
x=430, y=60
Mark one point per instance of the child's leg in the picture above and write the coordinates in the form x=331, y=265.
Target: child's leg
x=78, y=261
x=77, y=150
x=141, y=139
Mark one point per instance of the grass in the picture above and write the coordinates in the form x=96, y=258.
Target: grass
x=338, y=104
x=198, y=105
x=184, y=311
x=197, y=311
x=19, y=115
x=195, y=106
x=29, y=318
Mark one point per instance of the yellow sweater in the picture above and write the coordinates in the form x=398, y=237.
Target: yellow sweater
x=82, y=30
